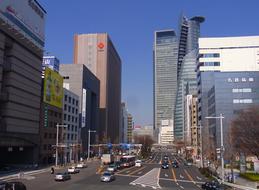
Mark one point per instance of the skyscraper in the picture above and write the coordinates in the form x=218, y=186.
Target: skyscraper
x=187, y=58
x=98, y=54
x=165, y=55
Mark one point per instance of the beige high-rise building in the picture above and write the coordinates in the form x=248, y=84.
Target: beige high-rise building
x=98, y=54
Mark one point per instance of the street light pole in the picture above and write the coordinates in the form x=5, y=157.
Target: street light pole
x=56, y=163
x=88, y=151
x=221, y=144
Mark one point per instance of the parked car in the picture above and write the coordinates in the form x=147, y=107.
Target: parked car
x=165, y=165
x=81, y=165
x=73, y=170
x=62, y=176
x=138, y=163
x=14, y=185
x=112, y=168
x=107, y=177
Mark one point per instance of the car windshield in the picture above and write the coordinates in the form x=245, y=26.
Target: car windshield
x=106, y=174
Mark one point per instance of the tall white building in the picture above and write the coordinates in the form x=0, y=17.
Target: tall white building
x=166, y=132
x=124, y=123
x=71, y=134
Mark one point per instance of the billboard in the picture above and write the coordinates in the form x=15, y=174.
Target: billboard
x=53, y=88
x=26, y=17
x=51, y=62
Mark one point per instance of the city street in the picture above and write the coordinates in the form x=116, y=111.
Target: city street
x=149, y=176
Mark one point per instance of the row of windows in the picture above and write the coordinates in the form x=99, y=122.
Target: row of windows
x=242, y=101
x=209, y=63
x=236, y=90
x=72, y=127
x=71, y=100
x=70, y=109
x=55, y=114
x=207, y=55
x=69, y=137
x=70, y=118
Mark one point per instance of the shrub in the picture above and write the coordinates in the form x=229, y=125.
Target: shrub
x=250, y=176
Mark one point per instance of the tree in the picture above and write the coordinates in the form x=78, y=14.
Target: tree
x=146, y=142
x=244, y=132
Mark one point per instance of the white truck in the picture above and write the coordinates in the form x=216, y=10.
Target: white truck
x=107, y=158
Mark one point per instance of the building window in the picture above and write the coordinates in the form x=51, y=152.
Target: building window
x=75, y=128
x=76, y=102
x=59, y=115
x=72, y=127
x=65, y=97
x=65, y=107
x=68, y=136
x=68, y=118
x=73, y=110
x=69, y=108
x=65, y=116
x=45, y=135
x=72, y=118
x=208, y=55
x=50, y=136
x=76, y=111
x=236, y=90
x=72, y=136
x=69, y=99
x=75, y=119
x=73, y=101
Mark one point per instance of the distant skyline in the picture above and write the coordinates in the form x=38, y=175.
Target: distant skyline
x=131, y=25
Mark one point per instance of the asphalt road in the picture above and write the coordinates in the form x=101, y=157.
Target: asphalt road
x=149, y=176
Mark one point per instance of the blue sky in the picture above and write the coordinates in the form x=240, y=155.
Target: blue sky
x=131, y=24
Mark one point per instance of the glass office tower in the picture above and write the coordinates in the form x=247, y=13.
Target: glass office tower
x=165, y=75
x=187, y=56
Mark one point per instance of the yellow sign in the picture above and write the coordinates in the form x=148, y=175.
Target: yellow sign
x=53, y=88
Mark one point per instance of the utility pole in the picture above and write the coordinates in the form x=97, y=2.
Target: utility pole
x=222, y=149
x=88, y=151
x=56, y=163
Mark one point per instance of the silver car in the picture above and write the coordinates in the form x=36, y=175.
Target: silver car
x=107, y=177
x=62, y=176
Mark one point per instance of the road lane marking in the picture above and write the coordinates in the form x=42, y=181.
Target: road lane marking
x=198, y=178
x=124, y=170
x=174, y=176
x=135, y=171
x=166, y=175
x=184, y=181
x=189, y=176
x=181, y=187
x=181, y=176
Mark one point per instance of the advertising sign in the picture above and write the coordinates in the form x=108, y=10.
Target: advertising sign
x=51, y=62
x=83, y=108
x=27, y=17
x=53, y=88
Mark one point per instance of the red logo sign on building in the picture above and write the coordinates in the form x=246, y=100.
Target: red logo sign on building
x=100, y=45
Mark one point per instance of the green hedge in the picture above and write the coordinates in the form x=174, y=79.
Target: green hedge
x=250, y=176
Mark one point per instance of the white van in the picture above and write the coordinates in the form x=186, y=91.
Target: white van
x=138, y=163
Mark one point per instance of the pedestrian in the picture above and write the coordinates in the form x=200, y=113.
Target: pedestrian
x=52, y=170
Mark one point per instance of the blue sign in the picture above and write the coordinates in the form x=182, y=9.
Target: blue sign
x=51, y=62
x=109, y=145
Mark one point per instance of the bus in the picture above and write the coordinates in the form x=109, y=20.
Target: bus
x=128, y=161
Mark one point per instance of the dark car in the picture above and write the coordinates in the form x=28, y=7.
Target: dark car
x=213, y=185
x=175, y=165
x=14, y=185
x=165, y=165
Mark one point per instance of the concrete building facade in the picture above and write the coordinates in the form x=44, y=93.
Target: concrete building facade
x=124, y=123
x=227, y=75
x=82, y=82
x=72, y=132
x=130, y=128
x=98, y=54
x=20, y=82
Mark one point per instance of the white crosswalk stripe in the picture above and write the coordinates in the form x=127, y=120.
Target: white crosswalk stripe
x=150, y=179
